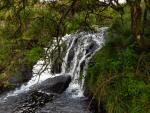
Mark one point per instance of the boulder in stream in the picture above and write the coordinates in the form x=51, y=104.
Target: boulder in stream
x=54, y=85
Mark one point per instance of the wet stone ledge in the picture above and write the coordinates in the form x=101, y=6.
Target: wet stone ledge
x=35, y=100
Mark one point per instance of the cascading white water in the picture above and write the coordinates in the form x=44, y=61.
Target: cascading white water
x=80, y=48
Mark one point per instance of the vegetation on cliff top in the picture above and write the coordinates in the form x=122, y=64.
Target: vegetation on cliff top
x=118, y=76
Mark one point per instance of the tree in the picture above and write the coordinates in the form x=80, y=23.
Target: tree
x=139, y=10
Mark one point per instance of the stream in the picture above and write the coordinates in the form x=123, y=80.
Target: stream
x=81, y=47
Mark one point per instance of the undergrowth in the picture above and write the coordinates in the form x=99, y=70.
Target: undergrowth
x=118, y=76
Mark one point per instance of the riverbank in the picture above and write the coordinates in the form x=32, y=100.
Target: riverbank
x=118, y=76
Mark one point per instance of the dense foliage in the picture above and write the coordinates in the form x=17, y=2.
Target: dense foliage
x=119, y=74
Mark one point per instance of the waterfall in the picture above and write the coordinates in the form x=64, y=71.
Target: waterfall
x=81, y=46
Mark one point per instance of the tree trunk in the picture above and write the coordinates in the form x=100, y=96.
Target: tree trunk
x=139, y=22
x=136, y=24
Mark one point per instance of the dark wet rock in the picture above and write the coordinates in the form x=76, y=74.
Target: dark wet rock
x=54, y=85
x=70, y=57
x=92, y=47
x=82, y=65
x=34, y=100
x=38, y=98
x=56, y=67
